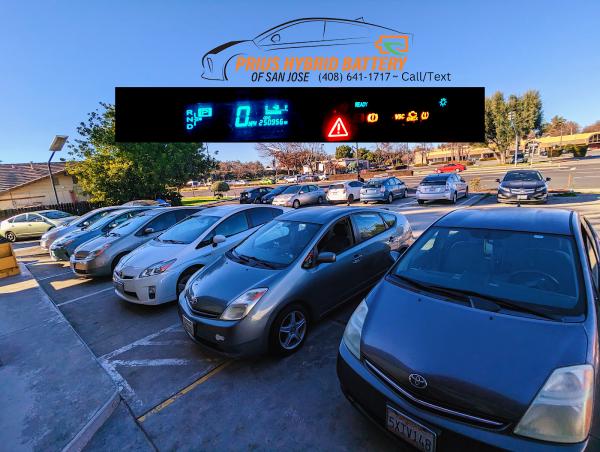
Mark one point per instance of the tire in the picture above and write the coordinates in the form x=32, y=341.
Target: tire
x=278, y=337
x=365, y=202
x=184, y=278
x=454, y=198
x=390, y=198
x=296, y=204
x=420, y=202
x=467, y=193
x=320, y=200
x=10, y=236
x=257, y=201
x=350, y=198
x=404, y=193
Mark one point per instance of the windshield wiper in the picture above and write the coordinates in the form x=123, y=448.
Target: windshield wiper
x=257, y=261
x=433, y=288
x=178, y=242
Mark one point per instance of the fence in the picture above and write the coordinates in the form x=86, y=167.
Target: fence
x=77, y=208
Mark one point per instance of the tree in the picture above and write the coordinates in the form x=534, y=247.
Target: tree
x=595, y=127
x=113, y=173
x=344, y=151
x=292, y=156
x=219, y=187
x=558, y=126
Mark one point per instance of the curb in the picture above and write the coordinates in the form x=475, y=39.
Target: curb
x=80, y=440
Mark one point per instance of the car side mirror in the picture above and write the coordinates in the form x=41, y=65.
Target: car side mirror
x=218, y=239
x=301, y=192
x=112, y=225
x=276, y=38
x=326, y=257
x=548, y=179
x=85, y=224
x=498, y=180
x=148, y=230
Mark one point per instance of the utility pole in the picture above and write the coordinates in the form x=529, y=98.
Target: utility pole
x=56, y=146
x=511, y=117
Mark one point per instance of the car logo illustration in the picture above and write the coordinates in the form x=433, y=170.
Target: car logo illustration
x=418, y=381
x=397, y=44
x=316, y=32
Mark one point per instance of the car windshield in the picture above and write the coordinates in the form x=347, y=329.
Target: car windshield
x=434, y=180
x=523, y=175
x=292, y=190
x=188, y=230
x=278, y=190
x=105, y=220
x=92, y=218
x=278, y=243
x=534, y=271
x=131, y=225
x=375, y=183
x=55, y=214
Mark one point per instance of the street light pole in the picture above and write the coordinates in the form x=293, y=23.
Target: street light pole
x=56, y=146
x=511, y=117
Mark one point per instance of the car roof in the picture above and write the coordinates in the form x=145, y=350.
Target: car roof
x=438, y=176
x=523, y=171
x=524, y=219
x=322, y=215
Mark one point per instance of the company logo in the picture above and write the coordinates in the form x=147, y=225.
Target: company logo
x=311, y=45
x=396, y=44
x=418, y=381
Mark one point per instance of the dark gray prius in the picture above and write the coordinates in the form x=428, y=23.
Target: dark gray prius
x=264, y=294
x=483, y=335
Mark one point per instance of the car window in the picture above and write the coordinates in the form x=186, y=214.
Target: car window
x=356, y=184
x=34, y=218
x=180, y=214
x=390, y=219
x=369, y=224
x=292, y=190
x=343, y=30
x=260, y=216
x=592, y=257
x=531, y=269
x=311, y=30
x=162, y=222
x=55, y=214
x=338, y=238
x=20, y=219
x=523, y=175
x=188, y=230
x=233, y=225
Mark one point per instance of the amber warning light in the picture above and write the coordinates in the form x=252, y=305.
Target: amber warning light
x=299, y=114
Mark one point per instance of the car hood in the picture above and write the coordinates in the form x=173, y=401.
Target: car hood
x=523, y=184
x=232, y=47
x=97, y=242
x=225, y=280
x=476, y=362
x=152, y=252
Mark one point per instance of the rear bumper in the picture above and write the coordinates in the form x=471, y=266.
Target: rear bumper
x=444, y=195
x=373, y=196
x=371, y=396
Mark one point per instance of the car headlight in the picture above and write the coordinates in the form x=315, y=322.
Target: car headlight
x=158, y=268
x=540, y=189
x=353, y=330
x=502, y=188
x=241, y=306
x=65, y=242
x=562, y=411
x=99, y=251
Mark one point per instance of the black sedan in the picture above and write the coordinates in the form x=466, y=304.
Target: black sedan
x=483, y=335
x=254, y=195
x=523, y=186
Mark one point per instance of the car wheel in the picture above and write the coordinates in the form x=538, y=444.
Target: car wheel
x=365, y=202
x=320, y=200
x=467, y=192
x=454, y=198
x=350, y=199
x=420, y=201
x=289, y=330
x=390, y=198
x=404, y=193
x=257, y=201
x=183, y=279
x=296, y=204
x=10, y=236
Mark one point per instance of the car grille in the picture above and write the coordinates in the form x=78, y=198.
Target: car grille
x=522, y=191
x=428, y=405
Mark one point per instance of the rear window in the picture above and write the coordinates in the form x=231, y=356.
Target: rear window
x=435, y=180
x=376, y=183
x=337, y=187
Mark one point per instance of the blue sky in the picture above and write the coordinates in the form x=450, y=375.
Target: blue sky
x=58, y=59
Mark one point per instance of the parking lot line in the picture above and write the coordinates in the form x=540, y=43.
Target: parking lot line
x=158, y=408
x=84, y=296
x=54, y=276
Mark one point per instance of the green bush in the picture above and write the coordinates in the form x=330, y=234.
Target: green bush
x=577, y=150
x=219, y=187
x=555, y=152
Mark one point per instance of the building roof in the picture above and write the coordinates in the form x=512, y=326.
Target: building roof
x=13, y=175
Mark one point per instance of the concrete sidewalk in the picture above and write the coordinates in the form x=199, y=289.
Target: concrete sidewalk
x=54, y=394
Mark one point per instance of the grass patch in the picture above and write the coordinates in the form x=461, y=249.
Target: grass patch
x=197, y=200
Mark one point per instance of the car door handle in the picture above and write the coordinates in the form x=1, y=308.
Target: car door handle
x=356, y=258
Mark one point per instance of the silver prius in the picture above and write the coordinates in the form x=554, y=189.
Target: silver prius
x=263, y=294
x=100, y=255
x=300, y=195
x=157, y=271
x=447, y=187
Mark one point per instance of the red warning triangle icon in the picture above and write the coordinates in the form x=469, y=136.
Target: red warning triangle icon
x=338, y=130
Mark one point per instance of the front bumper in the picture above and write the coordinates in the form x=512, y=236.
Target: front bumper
x=98, y=266
x=150, y=290
x=435, y=196
x=522, y=197
x=284, y=203
x=227, y=337
x=371, y=396
x=60, y=253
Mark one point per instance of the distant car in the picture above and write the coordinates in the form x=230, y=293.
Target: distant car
x=157, y=271
x=63, y=247
x=254, y=195
x=521, y=158
x=323, y=177
x=451, y=168
x=523, y=186
x=268, y=197
x=435, y=187
x=347, y=191
x=483, y=336
x=300, y=195
x=265, y=293
x=33, y=224
x=100, y=255
x=83, y=221
x=147, y=202
x=383, y=189
x=292, y=179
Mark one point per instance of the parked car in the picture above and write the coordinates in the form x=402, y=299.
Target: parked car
x=85, y=220
x=62, y=248
x=483, y=335
x=300, y=195
x=147, y=202
x=384, y=189
x=254, y=195
x=292, y=179
x=157, y=271
x=521, y=158
x=323, y=177
x=447, y=187
x=451, y=168
x=268, y=198
x=99, y=256
x=347, y=191
x=265, y=293
x=33, y=224
x=523, y=186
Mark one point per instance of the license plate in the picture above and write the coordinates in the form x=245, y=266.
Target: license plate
x=410, y=431
x=188, y=325
x=521, y=197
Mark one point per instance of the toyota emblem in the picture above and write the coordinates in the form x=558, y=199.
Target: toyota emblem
x=418, y=381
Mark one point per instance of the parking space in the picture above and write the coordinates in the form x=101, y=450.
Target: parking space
x=182, y=395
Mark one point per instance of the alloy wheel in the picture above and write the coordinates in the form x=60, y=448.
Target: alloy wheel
x=292, y=330
x=10, y=236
